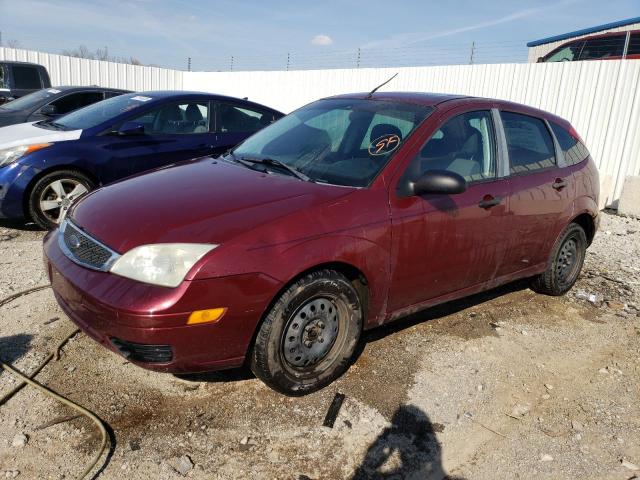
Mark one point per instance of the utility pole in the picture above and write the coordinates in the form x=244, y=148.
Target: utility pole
x=473, y=51
x=358, y=60
x=188, y=64
x=0, y=38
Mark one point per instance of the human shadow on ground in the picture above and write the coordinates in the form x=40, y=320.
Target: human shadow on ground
x=408, y=449
x=14, y=347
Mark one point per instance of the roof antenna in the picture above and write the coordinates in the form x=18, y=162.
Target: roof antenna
x=381, y=85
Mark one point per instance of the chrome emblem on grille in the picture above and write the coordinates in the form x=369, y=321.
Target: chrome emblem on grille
x=74, y=241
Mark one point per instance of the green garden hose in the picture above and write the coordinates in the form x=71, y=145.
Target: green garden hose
x=28, y=380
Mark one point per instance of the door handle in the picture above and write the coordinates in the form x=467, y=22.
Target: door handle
x=559, y=184
x=489, y=201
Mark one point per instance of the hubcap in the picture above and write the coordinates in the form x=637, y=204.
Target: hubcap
x=311, y=333
x=57, y=197
x=567, y=259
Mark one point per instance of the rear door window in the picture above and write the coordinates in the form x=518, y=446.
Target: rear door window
x=573, y=149
x=73, y=101
x=603, y=47
x=529, y=143
x=26, y=77
x=237, y=119
x=3, y=83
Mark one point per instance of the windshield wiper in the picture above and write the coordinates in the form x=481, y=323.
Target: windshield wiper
x=235, y=159
x=51, y=123
x=277, y=163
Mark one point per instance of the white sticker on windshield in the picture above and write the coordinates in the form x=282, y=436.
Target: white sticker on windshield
x=53, y=90
x=140, y=98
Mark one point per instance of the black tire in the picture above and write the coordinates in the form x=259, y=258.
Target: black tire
x=565, y=263
x=42, y=191
x=331, y=302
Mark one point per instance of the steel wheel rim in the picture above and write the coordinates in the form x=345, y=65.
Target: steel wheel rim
x=311, y=332
x=57, y=197
x=567, y=260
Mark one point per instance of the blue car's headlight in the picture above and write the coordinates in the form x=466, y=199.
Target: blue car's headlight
x=10, y=155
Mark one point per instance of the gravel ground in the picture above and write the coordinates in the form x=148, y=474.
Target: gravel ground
x=507, y=384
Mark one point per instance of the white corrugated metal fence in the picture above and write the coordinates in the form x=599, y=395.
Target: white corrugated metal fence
x=600, y=98
x=65, y=70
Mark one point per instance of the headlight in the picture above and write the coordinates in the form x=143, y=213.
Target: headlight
x=164, y=264
x=10, y=155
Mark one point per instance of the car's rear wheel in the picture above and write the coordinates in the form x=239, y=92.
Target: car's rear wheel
x=53, y=194
x=565, y=264
x=308, y=337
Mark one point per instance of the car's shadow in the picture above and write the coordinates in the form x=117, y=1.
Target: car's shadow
x=375, y=334
x=21, y=225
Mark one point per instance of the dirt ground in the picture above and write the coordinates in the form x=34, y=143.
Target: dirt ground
x=507, y=384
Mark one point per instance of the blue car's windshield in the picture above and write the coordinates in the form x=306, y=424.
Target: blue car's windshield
x=32, y=100
x=337, y=141
x=100, y=112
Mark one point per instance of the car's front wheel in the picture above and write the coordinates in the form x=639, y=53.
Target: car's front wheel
x=53, y=194
x=565, y=262
x=309, y=336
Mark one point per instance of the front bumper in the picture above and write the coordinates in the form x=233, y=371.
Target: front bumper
x=14, y=180
x=114, y=310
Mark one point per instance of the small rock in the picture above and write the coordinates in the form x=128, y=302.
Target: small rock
x=182, y=465
x=546, y=396
x=134, y=445
x=603, y=370
x=577, y=426
x=629, y=465
x=546, y=458
x=20, y=440
x=71, y=368
x=520, y=410
x=480, y=388
x=524, y=332
x=11, y=473
x=548, y=386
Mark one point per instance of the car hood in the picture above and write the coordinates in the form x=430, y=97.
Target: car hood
x=29, y=134
x=8, y=117
x=200, y=201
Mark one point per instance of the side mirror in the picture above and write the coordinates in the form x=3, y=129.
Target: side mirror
x=49, y=110
x=439, y=182
x=131, y=128
x=540, y=60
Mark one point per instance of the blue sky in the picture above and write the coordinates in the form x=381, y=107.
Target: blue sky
x=260, y=34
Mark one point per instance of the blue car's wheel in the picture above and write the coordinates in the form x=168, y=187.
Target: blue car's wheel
x=53, y=194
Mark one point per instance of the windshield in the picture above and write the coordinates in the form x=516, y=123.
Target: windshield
x=32, y=100
x=100, y=112
x=340, y=141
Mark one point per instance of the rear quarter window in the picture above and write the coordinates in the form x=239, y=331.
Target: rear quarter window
x=574, y=150
x=634, y=44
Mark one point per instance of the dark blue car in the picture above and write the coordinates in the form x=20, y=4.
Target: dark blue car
x=44, y=166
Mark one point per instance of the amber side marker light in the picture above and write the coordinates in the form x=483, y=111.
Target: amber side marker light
x=211, y=315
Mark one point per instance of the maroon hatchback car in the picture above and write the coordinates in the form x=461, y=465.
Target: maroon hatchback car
x=349, y=213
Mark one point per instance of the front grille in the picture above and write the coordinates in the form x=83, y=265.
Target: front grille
x=83, y=249
x=140, y=352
